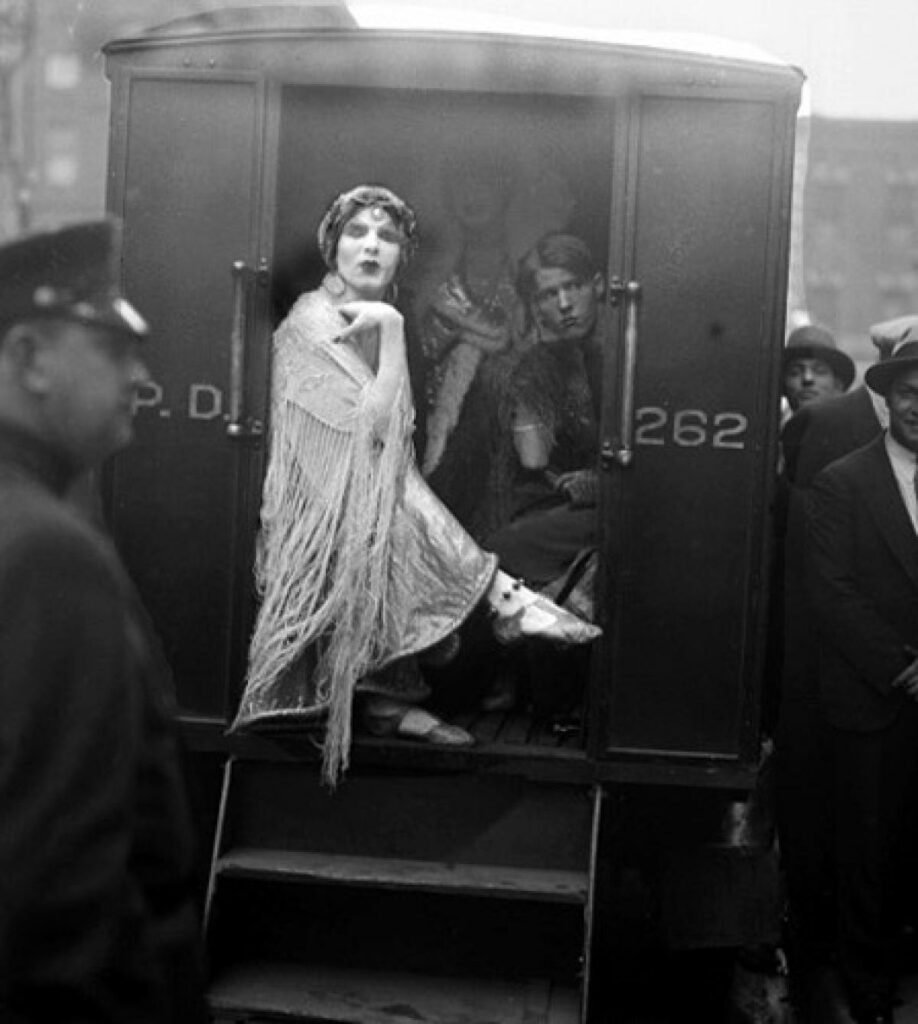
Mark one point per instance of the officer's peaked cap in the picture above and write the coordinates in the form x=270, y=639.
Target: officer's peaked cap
x=72, y=274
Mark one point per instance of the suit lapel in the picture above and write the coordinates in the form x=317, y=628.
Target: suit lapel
x=884, y=499
x=865, y=425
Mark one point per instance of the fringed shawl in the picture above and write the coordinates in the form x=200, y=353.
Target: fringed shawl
x=344, y=553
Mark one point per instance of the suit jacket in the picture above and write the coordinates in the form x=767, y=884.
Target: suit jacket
x=814, y=437
x=863, y=574
x=97, y=918
x=822, y=432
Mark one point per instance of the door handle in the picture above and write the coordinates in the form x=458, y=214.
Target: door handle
x=622, y=452
x=240, y=426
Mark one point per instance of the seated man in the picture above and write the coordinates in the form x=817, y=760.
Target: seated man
x=551, y=427
x=552, y=413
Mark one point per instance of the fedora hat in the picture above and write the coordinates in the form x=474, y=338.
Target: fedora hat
x=812, y=342
x=880, y=376
x=887, y=334
x=70, y=274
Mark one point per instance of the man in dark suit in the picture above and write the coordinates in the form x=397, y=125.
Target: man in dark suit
x=862, y=561
x=818, y=434
x=821, y=432
x=822, y=429
x=98, y=923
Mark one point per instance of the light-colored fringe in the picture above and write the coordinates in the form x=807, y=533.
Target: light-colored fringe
x=461, y=366
x=322, y=571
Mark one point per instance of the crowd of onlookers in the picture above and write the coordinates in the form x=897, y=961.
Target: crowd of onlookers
x=844, y=708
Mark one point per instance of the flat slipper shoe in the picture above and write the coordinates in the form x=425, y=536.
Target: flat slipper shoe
x=537, y=616
x=415, y=723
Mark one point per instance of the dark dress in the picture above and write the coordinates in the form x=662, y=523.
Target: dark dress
x=545, y=532
x=97, y=917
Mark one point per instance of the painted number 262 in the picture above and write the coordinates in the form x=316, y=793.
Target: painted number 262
x=690, y=428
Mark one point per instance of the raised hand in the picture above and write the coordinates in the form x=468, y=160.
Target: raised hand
x=366, y=315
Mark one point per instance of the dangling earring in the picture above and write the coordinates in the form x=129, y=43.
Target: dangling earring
x=391, y=295
x=336, y=287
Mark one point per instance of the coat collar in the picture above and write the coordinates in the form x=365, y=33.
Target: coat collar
x=27, y=455
x=885, y=502
x=861, y=414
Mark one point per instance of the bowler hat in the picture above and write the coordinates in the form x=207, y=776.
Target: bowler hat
x=880, y=376
x=812, y=342
x=70, y=274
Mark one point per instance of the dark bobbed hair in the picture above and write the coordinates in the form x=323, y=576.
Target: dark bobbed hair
x=348, y=204
x=555, y=250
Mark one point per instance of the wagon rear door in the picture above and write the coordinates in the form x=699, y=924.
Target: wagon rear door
x=689, y=474
x=186, y=177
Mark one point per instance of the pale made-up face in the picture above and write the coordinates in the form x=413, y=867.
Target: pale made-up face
x=368, y=254
x=810, y=380
x=567, y=305
x=902, y=400
x=90, y=377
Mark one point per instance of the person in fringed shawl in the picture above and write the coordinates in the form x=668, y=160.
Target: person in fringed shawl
x=360, y=567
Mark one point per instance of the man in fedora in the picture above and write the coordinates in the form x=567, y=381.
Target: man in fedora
x=862, y=562
x=817, y=434
x=820, y=432
x=97, y=916
x=813, y=367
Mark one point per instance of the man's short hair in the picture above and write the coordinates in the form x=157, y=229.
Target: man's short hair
x=554, y=251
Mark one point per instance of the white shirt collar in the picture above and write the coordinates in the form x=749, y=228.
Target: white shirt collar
x=903, y=465
x=899, y=454
x=879, y=407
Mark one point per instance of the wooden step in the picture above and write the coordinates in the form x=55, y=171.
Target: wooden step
x=443, y=818
x=547, y=885
x=292, y=992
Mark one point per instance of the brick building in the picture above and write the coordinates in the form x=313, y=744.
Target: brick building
x=861, y=226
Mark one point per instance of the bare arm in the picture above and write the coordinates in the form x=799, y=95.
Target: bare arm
x=530, y=439
x=392, y=371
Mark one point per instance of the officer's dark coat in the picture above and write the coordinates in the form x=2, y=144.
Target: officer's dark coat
x=97, y=920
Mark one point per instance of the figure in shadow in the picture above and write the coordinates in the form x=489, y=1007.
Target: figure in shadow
x=470, y=339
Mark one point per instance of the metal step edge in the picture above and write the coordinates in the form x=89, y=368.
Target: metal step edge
x=486, y=880
x=314, y=994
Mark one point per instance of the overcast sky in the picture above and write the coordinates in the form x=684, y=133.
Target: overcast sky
x=860, y=55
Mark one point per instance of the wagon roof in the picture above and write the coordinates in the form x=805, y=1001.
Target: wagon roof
x=289, y=18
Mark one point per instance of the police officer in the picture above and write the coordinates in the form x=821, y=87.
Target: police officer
x=97, y=917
